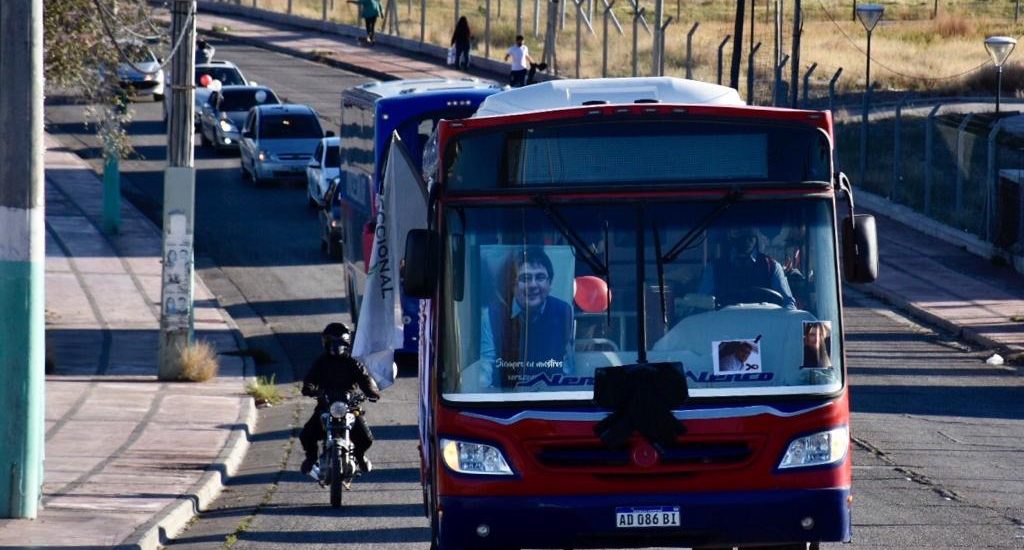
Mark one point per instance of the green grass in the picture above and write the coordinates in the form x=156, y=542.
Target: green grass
x=264, y=389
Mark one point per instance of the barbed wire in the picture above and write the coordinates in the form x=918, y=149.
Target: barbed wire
x=890, y=69
x=124, y=57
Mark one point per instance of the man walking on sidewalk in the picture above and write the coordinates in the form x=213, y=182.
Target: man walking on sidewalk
x=521, y=61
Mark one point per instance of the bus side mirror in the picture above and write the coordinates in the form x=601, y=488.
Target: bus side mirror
x=860, y=249
x=421, y=263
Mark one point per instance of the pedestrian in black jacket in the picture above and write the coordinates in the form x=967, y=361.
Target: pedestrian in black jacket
x=461, y=39
x=333, y=373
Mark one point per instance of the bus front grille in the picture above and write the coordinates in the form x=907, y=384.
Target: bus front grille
x=698, y=454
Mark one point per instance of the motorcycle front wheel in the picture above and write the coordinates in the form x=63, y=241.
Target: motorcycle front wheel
x=335, y=474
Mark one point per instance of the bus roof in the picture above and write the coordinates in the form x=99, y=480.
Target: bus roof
x=556, y=94
x=372, y=91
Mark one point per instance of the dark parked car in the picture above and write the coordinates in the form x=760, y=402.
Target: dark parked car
x=224, y=114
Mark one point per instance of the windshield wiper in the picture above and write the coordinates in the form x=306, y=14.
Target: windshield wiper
x=695, y=231
x=683, y=244
x=588, y=255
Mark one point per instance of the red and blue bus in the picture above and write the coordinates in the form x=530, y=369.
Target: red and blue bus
x=632, y=326
x=369, y=114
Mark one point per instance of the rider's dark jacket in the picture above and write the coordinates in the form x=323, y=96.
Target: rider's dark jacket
x=336, y=374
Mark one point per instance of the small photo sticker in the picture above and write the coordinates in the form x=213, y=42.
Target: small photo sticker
x=737, y=356
x=817, y=345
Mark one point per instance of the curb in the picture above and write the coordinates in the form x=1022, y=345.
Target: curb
x=431, y=53
x=964, y=333
x=173, y=519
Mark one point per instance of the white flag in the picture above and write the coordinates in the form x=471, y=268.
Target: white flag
x=402, y=206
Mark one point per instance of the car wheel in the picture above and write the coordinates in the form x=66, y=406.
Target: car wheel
x=158, y=97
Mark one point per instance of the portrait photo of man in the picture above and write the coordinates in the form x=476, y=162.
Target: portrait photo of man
x=526, y=329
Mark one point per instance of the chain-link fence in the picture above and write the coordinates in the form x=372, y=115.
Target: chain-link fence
x=953, y=160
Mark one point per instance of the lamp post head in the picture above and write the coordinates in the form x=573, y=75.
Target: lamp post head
x=999, y=47
x=869, y=15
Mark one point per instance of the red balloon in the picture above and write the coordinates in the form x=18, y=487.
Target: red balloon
x=205, y=80
x=591, y=294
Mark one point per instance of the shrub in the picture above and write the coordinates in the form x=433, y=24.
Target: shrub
x=264, y=390
x=198, y=362
x=951, y=26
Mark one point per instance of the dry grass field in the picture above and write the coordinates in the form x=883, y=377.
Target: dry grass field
x=911, y=50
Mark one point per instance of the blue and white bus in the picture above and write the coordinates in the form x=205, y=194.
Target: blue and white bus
x=369, y=115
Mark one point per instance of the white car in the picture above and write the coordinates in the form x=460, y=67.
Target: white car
x=325, y=166
x=224, y=72
x=141, y=74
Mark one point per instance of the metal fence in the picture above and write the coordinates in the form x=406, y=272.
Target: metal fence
x=953, y=160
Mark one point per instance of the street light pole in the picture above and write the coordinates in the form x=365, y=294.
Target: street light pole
x=999, y=48
x=869, y=15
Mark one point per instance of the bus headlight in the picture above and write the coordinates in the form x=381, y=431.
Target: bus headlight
x=817, y=449
x=474, y=458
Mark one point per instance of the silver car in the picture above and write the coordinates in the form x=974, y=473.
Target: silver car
x=278, y=142
x=141, y=74
x=222, y=117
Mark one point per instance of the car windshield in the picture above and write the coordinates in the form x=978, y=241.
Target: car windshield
x=742, y=292
x=228, y=76
x=298, y=126
x=243, y=100
x=333, y=159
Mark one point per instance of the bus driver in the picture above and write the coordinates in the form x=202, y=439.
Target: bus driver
x=529, y=334
x=744, y=266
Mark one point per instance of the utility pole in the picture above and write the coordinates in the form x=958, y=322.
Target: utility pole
x=794, y=58
x=176, y=319
x=22, y=257
x=737, y=46
x=659, y=31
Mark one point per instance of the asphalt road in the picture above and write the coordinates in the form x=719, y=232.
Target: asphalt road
x=938, y=451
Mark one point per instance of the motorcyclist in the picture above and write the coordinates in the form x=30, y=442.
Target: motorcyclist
x=333, y=373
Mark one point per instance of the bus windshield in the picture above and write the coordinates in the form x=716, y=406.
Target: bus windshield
x=742, y=292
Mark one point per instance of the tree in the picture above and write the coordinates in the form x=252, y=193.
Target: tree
x=80, y=57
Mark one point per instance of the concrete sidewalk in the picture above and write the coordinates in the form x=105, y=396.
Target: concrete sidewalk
x=128, y=458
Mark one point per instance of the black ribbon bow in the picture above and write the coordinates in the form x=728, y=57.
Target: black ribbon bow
x=642, y=398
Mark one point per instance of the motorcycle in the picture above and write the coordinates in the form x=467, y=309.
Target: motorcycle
x=337, y=465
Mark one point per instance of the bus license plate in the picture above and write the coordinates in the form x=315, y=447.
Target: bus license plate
x=647, y=516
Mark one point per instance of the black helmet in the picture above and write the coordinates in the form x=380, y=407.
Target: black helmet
x=336, y=338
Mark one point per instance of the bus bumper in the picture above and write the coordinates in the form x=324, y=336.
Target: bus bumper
x=768, y=517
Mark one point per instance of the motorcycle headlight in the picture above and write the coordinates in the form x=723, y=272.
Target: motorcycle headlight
x=339, y=409
x=817, y=449
x=226, y=126
x=474, y=458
